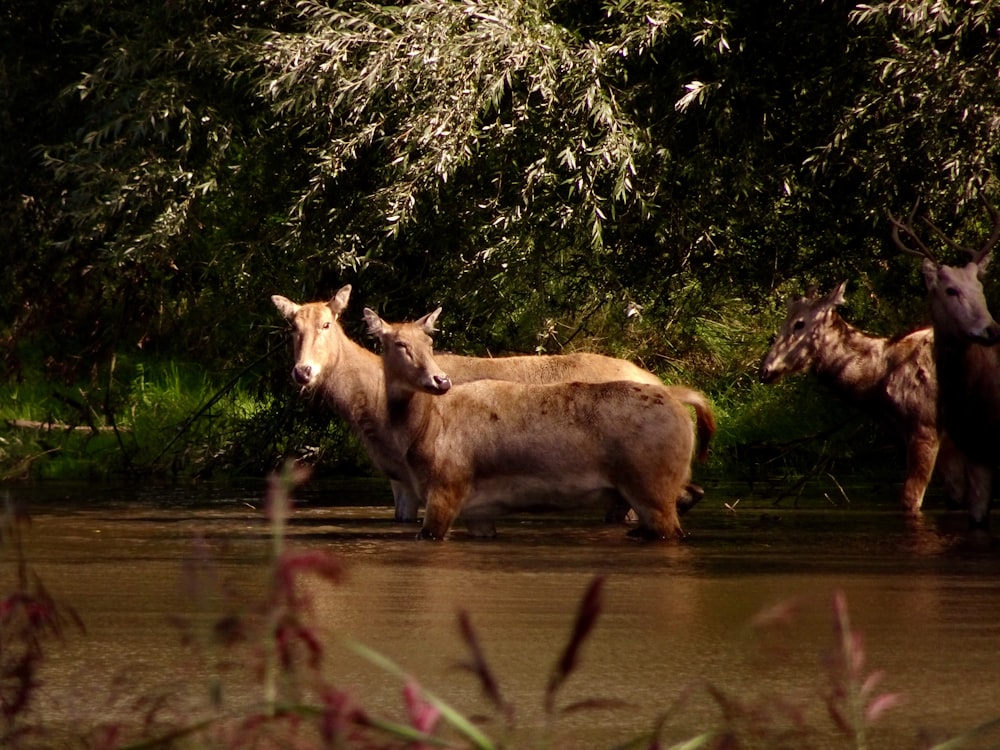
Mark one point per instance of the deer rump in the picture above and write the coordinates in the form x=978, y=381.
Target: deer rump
x=505, y=447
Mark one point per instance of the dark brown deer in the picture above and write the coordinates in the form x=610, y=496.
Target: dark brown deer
x=892, y=378
x=350, y=380
x=480, y=447
x=965, y=355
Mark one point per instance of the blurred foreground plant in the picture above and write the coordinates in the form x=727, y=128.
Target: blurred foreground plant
x=298, y=707
x=29, y=618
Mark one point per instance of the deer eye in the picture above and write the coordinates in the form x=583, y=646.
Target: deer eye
x=326, y=325
x=951, y=291
x=799, y=325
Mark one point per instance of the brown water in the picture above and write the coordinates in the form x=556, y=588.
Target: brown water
x=676, y=617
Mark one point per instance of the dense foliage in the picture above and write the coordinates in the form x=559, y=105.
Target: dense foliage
x=540, y=169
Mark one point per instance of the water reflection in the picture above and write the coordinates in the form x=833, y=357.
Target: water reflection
x=677, y=617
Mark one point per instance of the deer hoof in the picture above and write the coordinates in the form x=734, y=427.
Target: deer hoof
x=651, y=535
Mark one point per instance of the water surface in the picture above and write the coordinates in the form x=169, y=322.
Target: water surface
x=141, y=565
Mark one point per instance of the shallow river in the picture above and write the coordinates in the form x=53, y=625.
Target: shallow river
x=677, y=625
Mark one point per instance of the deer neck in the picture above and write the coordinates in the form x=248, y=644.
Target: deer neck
x=850, y=361
x=354, y=388
x=968, y=376
x=965, y=366
x=408, y=410
x=353, y=382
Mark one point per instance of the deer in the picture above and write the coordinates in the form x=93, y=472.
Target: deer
x=349, y=379
x=487, y=445
x=892, y=378
x=965, y=354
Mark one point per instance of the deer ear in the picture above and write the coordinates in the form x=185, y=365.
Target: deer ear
x=831, y=300
x=427, y=322
x=930, y=271
x=376, y=326
x=339, y=302
x=285, y=306
x=836, y=297
x=984, y=261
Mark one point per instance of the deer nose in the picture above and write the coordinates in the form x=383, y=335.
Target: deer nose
x=992, y=334
x=302, y=374
x=442, y=383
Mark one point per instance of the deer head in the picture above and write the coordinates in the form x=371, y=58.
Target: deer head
x=800, y=340
x=317, y=334
x=958, y=305
x=407, y=354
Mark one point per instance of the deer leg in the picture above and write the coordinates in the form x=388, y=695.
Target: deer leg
x=657, y=513
x=406, y=501
x=921, y=453
x=978, y=492
x=951, y=468
x=443, y=505
x=618, y=510
x=689, y=498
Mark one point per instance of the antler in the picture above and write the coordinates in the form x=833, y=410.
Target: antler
x=922, y=250
x=977, y=254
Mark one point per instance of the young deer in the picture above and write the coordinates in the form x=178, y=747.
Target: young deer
x=966, y=356
x=350, y=380
x=891, y=378
x=489, y=445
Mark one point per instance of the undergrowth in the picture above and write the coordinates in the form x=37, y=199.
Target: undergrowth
x=167, y=419
x=179, y=421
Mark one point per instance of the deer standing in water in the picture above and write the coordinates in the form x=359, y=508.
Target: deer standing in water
x=965, y=355
x=350, y=379
x=893, y=378
x=472, y=449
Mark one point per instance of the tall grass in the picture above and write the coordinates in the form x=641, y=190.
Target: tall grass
x=147, y=418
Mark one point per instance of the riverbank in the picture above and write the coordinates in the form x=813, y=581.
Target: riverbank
x=179, y=422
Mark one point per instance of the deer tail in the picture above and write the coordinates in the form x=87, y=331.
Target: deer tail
x=705, y=419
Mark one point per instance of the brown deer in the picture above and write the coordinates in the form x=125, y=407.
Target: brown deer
x=490, y=445
x=350, y=379
x=965, y=355
x=893, y=378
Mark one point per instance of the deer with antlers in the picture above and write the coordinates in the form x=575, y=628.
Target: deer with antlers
x=965, y=355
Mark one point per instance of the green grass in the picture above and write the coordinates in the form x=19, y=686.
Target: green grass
x=145, y=418
x=170, y=419
x=177, y=419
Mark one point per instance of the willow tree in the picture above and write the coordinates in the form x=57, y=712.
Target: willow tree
x=540, y=168
x=471, y=152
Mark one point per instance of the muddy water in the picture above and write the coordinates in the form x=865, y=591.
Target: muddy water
x=144, y=567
